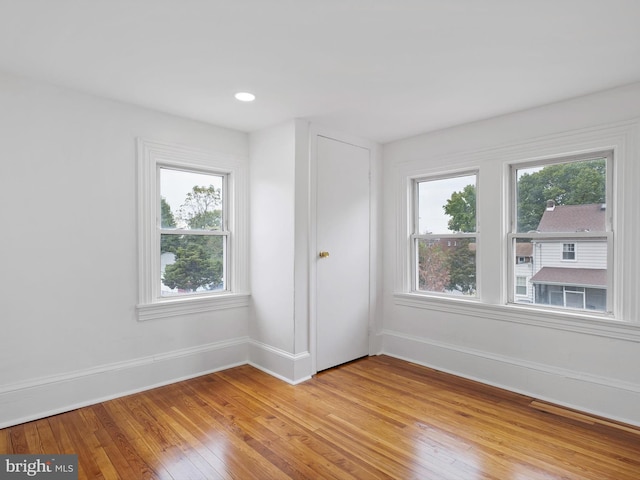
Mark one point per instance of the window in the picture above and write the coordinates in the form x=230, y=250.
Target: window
x=444, y=235
x=192, y=231
x=568, y=251
x=560, y=207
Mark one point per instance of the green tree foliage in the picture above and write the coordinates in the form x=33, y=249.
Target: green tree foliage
x=194, y=267
x=574, y=183
x=201, y=209
x=433, y=274
x=461, y=207
x=455, y=268
x=461, y=263
x=168, y=243
x=167, y=218
x=199, y=259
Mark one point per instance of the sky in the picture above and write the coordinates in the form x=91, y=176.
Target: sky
x=433, y=196
x=175, y=184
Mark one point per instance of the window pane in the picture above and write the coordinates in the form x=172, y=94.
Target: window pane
x=574, y=299
x=192, y=264
x=558, y=282
x=191, y=200
x=447, y=265
x=563, y=197
x=557, y=201
x=596, y=299
x=569, y=251
x=447, y=205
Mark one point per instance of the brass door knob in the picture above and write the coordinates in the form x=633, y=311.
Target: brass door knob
x=323, y=254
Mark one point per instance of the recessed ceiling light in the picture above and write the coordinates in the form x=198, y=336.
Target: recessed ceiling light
x=245, y=96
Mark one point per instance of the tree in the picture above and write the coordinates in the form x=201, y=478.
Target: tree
x=168, y=243
x=461, y=207
x=198, y=257
x=202, y=208
x=462, y=267
x=193, y=268
x=460, y=262
x=433, y=274
x=575, y=183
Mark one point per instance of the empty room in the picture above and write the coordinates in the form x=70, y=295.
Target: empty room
x=350, y=239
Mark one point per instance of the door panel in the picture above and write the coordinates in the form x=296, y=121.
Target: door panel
x=342, y=282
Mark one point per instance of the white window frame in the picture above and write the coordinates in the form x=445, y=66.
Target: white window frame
x=569, y=237
x=415, y=236
x=151, y=157
x=494, y=266
x=222, y=232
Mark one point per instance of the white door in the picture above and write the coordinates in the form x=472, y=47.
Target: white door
x=342, y=231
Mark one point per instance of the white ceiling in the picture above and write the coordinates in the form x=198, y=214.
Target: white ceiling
x=379, y=69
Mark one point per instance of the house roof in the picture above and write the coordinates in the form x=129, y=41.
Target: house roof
x=574, y=218
x=583, y=277
x=524, y=249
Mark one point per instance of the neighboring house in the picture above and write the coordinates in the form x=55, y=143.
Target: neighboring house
x=523, y=273
x=569, y=272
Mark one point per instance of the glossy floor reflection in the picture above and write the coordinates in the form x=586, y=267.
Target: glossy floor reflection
x=375, y=418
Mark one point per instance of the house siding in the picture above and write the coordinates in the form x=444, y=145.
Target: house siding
x=589, y=254
x=524, y=270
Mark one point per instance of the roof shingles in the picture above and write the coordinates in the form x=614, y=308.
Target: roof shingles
x=583, y=277
x=574, y=218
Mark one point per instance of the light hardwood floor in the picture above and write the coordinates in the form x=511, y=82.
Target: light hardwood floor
x=378, y=417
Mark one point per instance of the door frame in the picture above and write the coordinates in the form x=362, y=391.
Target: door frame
x=375, y=265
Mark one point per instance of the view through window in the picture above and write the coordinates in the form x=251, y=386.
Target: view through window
x=193, y=239
x=444, y=238
x=563, y=230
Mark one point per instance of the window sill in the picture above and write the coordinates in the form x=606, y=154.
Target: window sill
x=590, y=324
x=175, y=307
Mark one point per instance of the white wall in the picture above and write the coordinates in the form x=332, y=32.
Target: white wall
x=68, y=290
x=279, y=250
x=68, y=286
x=272, y=187
x=584, y=363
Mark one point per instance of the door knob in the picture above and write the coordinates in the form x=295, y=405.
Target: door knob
x=323, y=254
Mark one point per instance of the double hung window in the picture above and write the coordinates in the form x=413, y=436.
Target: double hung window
x=192, y=231
x=521, y=285
x=444, y=235
x=568, y=251
x=562, y=214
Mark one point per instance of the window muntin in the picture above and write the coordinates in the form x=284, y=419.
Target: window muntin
x=192, y=233
x=444, y=238
x=568, y=251
x=560, y=207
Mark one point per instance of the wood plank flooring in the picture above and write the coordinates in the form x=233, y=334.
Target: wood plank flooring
x=376, y=418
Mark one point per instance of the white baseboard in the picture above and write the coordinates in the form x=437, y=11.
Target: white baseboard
x=291, y=368
x=38, y=398
x=605, y=397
